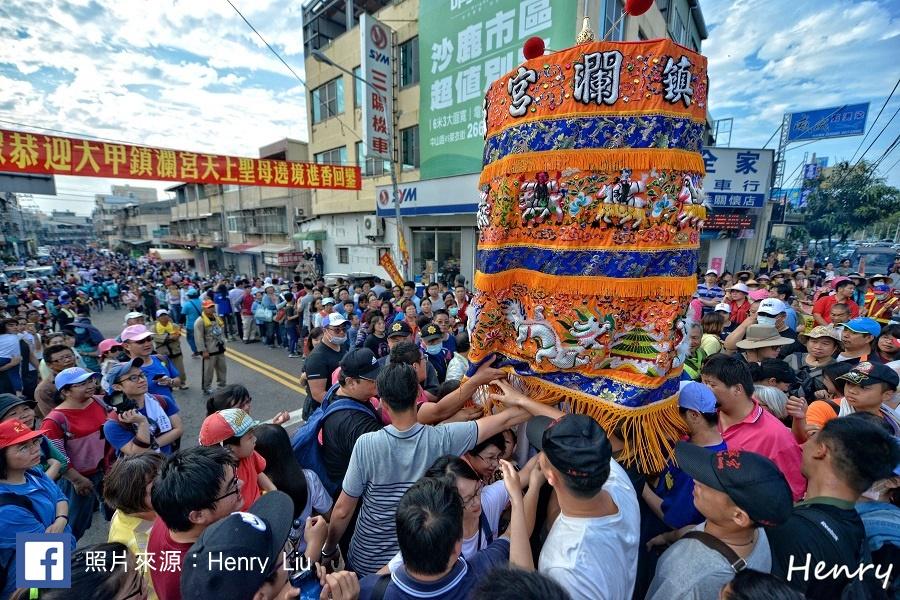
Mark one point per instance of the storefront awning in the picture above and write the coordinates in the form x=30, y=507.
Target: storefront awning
x=171, y=254
x=239, y=248
x=309, y=235
x=136, y=242
x=270, y=248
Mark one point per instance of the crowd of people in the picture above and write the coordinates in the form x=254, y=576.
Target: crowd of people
x=399, y=484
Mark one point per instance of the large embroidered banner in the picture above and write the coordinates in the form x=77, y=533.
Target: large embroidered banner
x=591, y=205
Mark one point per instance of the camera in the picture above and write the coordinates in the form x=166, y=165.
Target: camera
x=120, y=403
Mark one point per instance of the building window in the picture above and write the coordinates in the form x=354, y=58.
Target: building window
x=409, y=147
x=679, y=31
x=233, y=224
x=610, y=13
x=335, y=156
x=357, y=87
x=328, y=100
x=343, y=256
x=409, y=62
x=370, y=166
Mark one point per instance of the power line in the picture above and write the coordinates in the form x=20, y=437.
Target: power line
x=880, y=110
x=284, y=62
x=876, y=137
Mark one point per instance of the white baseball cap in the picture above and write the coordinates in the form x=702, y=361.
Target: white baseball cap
x=723, y=307
x=772, y=306
x=712, y=272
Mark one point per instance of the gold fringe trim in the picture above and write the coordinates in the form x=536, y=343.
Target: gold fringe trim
x=648, y=433
x=595, y=285
x=594, y=160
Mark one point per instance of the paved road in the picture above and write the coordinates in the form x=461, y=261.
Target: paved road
x=269, y=375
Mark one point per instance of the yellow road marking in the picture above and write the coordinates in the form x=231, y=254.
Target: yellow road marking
x=288, y=384
x=250, y=359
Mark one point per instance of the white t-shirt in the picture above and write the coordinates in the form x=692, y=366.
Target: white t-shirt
x=316, y=499
x=595, y=557
x=494, y=499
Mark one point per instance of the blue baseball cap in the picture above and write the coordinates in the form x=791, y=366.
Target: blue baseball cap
x=116, y=371
x=72, y=376
x=864, y=325
x=697, y=396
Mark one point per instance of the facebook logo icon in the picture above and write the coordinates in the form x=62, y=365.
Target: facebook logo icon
x=43, y=560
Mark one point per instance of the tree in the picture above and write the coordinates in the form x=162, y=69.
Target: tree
x=847, y=199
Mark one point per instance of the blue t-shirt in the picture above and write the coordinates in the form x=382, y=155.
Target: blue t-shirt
x=223, y=304
x=43, y=493
x=456, y=585
x=120, y=435
x=676, y=488
x=156, y=367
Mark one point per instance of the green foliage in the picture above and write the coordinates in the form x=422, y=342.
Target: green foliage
x=848, y=199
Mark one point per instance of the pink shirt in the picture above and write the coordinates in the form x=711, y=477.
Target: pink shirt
x=763, y=433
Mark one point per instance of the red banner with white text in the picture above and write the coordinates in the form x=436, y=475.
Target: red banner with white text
x=22, y=152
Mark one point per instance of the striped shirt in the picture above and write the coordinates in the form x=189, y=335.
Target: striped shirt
x=383, y=465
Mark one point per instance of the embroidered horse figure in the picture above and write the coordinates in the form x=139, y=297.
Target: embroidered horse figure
x=624, y=192
x=548, y=345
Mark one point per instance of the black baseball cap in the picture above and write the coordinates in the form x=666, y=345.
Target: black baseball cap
x=574, y=444
x=867, y=373
x=752, y=481
x=360, y=363
x=258, y=533
x=431, y=331
x=399, y=329
x=10, y=401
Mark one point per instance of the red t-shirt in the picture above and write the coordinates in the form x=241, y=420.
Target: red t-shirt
x=739, y=312
x=81, y=422
x=823, y=306
x=165, y=573
x=248, y=470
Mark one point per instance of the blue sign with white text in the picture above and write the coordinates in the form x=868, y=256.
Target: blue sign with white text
x=735, y=200
x=837, y=121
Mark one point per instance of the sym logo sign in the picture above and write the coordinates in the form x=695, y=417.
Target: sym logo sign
x=407, y=194
x=379, y=36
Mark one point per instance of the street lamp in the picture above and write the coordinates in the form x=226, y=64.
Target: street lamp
x=319, y=56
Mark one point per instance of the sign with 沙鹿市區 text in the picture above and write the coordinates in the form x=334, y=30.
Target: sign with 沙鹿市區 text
x=464, y=46
x=23, y=152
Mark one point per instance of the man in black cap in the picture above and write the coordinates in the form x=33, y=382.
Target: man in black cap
x=593, y=545
x=341, y=428
x=400, y=332
x=738, y=492
x=245, y=554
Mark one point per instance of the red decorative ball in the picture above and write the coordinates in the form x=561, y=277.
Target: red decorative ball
x=637, y=7
x=533, y=47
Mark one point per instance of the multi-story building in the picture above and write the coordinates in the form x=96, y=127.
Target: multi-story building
x=244, y=229
x=143, y=225
x=18, y=228
x=106, y=207
x=65, y=228
x=438, y=212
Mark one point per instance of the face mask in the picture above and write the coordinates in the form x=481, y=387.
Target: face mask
x=453, y=311
x=338, y=339
x=434, y=349
x=766, y=321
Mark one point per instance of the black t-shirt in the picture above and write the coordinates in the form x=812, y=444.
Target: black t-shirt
x=321, y=363
x=836, y=542
x=340, y=431
x=378, y=345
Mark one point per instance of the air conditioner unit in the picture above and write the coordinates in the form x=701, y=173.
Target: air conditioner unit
x=372, y=226
x=299, y=212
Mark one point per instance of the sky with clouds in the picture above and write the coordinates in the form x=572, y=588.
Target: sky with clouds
x=190, y=74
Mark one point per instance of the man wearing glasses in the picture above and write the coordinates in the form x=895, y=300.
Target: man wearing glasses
x=194, y=489
x=58, y=358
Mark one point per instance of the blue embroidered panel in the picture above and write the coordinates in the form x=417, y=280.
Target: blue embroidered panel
x=622, y=264
x=598, y=132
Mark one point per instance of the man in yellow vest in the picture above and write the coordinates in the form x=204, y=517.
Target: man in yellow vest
x=881, y=300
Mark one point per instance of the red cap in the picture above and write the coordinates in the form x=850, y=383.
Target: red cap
x=14, y=432
x=207, y=303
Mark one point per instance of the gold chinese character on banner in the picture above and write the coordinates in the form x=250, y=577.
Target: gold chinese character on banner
x=23, y=152
x=339, y=177
x=141, y=162
x=114, y=155
x=297, y=174
x=166, y=164
x=2, y=159
x=281, y=172
x=87, y=157
x=57, y=153
x=350, y=177
x=312, y=175
x=264, y=170
x=229, y=165
x=326, y=175
x=209, y=167
x=246, y=173
x=188, y=165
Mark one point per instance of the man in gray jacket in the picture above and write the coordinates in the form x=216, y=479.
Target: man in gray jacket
x=209, y=335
